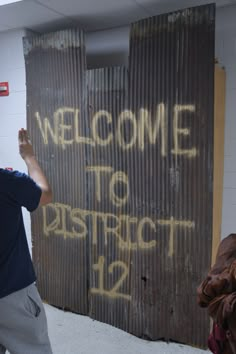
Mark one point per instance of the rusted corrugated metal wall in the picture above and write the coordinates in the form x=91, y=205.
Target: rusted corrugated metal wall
x=56, y=101
x=129, y=155
x=109, y=266
x=171, y=78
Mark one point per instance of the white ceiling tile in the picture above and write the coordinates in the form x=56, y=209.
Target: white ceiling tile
x=100, y=14
x=91, y=7
x=50, y=15
x=26, y=14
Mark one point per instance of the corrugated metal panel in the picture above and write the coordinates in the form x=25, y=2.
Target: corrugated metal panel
x=171, y=78
x=109, y=267
x=55, y=73
x=132, y=179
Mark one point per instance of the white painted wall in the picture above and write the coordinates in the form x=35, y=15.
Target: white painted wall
x=106, y=48
x=13, y=107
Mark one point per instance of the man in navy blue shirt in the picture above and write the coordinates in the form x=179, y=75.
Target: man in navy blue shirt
x=23, y=324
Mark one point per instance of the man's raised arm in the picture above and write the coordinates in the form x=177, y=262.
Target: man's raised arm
x=35, y=171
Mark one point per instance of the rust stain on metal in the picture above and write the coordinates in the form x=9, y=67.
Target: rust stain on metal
x=129, y=155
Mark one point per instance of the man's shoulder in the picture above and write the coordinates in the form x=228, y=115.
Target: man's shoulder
x=11, y=174
x=9, y=177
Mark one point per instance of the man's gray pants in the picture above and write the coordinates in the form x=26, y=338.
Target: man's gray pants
x=23, y=323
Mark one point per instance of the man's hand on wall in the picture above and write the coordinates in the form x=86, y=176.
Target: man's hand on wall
x=25, y=146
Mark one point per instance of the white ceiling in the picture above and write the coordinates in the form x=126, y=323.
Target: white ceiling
x=46, y=15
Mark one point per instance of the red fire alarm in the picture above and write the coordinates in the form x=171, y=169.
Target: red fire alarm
x=4, y=89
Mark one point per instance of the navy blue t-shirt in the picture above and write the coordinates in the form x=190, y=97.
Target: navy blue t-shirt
x=16, y=269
